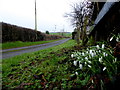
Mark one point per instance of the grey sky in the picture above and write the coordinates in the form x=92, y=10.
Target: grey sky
x=49, y=13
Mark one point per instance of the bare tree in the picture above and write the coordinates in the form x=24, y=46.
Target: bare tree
x=80, y=18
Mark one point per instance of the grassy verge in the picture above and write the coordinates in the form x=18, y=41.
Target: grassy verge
x=42, y=69
x=16, y=44
x=62, y=34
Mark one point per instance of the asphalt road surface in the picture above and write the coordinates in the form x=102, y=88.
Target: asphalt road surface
x=7, y=53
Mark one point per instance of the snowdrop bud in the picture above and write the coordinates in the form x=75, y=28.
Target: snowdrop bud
x=97, y=46
x=75, y=63
x=104, y=54
x=100, y=59
x=103, y=46
x=117, y=39
x=104, y=68
x=89, y=61
x=76, y=73
x=80, y=65
x=111, y=38
x=89, y=66
x=72, y=55
x=115, y=60
x=90, y=51
x=85, y=63
x=86, y=58
x=83, y=54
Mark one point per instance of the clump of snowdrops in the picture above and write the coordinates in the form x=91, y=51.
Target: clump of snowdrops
x=96, y=62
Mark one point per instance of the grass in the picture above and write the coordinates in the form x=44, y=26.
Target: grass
x=32, y=70
x=64, y=34
x=16, y=44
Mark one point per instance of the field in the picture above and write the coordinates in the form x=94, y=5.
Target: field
x=64, y=34
x=16, y=44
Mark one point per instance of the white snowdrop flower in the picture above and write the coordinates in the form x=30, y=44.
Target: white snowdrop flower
x=89, y=61
x=111, y=38
x=115, y=60
x=90, y=51
x=103, y=46
x=92, y=54
x=92, y=81
x=85, y=63
x=86, y=58
x=72, y=55
x=89, y=66
x=100, y=59
x=80, y=65
x=75, y=63
x=104, y=68
x=104, y=54
x=83, y=54
x=117, y=39
x=99, y=51
x=98, y=46
x=76, y=73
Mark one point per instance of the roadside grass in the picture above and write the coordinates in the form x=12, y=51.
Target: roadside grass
x=64, y=34
x=16, y=44
x=33, y=70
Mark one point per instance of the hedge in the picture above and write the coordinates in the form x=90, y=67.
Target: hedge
x=15, y=33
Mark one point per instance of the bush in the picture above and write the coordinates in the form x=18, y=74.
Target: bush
x=16, y=33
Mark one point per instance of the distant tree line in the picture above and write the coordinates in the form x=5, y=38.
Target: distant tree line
x=16, y=33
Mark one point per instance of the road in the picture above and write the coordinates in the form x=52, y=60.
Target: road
x=7, y=53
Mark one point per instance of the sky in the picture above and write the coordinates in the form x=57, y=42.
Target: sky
x=50, y=14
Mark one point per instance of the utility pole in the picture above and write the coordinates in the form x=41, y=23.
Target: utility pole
x=35, y=17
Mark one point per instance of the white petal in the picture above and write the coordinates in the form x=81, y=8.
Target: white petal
x=76, y=73
x=80, y=65
x=104, y=68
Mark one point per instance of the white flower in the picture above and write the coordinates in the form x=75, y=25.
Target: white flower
x=115, y=60
x=111, y=38
x=89, y=61
x=75, y=63
x=104, y=68
x=89, y=66
x=72, y=55
x=117, y=39
x=98, y=46
x=85, y=63
x=80, y=65
x=90, y=51
x=76, y=73
x=83, y=54
x=100, y=59
x=104, y=54
x=86, y=58
x=103, y=46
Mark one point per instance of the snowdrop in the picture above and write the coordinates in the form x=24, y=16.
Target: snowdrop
x=89, y=66
x=104, y=54
x=72, y=55
x=111, y=38
x=104, y=68
x=100, y=59
x=115, y=60
x=75, y=63
x=80, y=65
x=76, y=73
x=98, y=46
x=89, y=61
x=103, y=46
x=86, y=58
x=117, y=39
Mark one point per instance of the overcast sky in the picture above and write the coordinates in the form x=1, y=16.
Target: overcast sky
x=49, y=14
